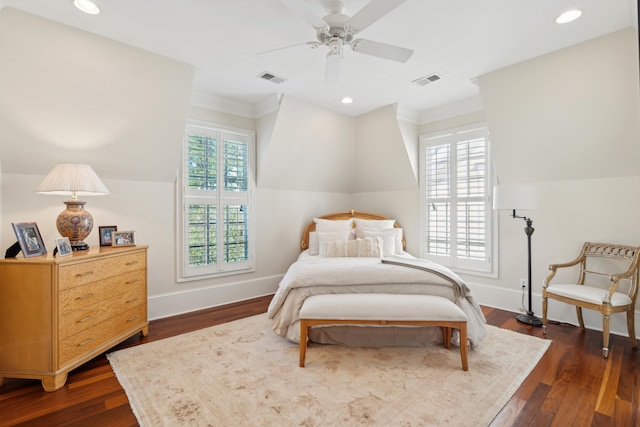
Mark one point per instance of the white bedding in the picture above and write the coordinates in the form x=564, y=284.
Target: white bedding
x=312, y=275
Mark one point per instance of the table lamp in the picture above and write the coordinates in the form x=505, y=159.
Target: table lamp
x=73, y=179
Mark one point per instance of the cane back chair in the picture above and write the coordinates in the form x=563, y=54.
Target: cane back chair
x=619, y=295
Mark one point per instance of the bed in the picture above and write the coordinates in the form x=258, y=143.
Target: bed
x=359, y=252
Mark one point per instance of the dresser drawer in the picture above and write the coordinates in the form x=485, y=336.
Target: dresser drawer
x=98, y=336
x=86, y=317
x=73, y=275
x=81, y=297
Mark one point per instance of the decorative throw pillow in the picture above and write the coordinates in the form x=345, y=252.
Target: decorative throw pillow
x=368, y=247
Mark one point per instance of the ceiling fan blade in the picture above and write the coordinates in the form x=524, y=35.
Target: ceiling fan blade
x=381, y=50
x=312, y=44
x=299, y=7
x=332, y=68
x=373, y=11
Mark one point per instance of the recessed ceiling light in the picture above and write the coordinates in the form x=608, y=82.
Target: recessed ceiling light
x=347, y=100
x=87, y=6
x=568, y=16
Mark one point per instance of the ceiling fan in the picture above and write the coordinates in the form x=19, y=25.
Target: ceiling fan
x=337, y=30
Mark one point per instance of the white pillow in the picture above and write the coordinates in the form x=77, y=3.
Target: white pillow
x=318, y=238
x=333, y=225
x=368, y=247
x=313, y=243
x=374, y=223
x=398, y=233
x=399, y=245
x=391, y=239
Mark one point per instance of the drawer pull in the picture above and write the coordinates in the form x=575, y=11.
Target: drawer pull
x=86, y=273
x=85, y=319
x=89, y=295
x=131, y=282
x=82, y=344
x=132, y=300
x=131, y=319
x=132, y=262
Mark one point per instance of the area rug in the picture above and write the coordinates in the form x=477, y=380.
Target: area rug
x=242, y=374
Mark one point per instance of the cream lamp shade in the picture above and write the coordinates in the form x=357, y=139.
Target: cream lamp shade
x=73, y=179
x=515, y=197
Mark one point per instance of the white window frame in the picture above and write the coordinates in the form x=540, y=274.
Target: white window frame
x=489, y=265
x=218, y=198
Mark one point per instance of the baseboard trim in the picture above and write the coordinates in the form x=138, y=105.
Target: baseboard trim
x=174, y=303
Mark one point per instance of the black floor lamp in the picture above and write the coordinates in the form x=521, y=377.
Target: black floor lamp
x=520, y=197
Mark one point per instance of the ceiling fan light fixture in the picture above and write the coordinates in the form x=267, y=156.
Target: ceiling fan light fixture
x=87, y=6
x=568, y=16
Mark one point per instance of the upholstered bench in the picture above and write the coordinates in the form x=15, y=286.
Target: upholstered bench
x=383, y=309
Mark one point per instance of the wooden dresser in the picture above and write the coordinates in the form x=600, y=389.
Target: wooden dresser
x=58, y=313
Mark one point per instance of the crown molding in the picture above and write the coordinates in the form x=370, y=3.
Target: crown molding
x=225, y=105
x=457, y=108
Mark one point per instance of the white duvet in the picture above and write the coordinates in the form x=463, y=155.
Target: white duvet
x=313, y=275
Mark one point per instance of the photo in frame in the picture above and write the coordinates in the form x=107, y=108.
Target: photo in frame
x=29, y=239
x=123, y=238
x=105, y=234
x=64, y=246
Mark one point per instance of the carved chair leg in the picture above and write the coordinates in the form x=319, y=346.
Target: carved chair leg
x=605, y=335
x=545, y=304
x=580, y=320
x=631, y=327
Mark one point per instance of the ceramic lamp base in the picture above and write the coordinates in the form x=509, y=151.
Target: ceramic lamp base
x=75, y=223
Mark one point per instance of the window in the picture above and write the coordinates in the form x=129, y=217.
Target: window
x=217, y=183
x=456, y=213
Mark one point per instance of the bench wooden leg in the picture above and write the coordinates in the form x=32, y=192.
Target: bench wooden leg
x=446, y=333
x=304, y=330
x=463, y=346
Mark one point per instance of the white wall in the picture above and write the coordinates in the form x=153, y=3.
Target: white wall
x=572, y=113
x=72, y=96
x=310, y=149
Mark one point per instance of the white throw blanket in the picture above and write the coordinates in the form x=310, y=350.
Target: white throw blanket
x=312, y=275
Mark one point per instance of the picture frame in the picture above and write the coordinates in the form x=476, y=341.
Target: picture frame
x=123, y=238
x=64, y=246
x=105, y=234
x=29, y=239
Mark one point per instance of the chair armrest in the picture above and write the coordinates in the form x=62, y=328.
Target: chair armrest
x=615, y=279
x=555, y=267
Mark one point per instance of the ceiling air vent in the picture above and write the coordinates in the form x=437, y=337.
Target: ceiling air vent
x=422, y=81
x=270, y=77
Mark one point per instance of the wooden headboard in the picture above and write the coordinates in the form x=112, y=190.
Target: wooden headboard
x=304, y=244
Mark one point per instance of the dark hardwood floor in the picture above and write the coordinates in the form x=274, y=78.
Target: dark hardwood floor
x=573, y=385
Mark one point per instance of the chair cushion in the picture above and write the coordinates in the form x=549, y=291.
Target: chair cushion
x=588, y=293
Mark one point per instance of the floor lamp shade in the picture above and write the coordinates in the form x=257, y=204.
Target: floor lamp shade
x=73, y=179
x=515, y=197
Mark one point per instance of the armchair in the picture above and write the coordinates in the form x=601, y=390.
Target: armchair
x=619, y=296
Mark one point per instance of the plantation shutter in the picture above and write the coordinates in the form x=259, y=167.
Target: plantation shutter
x=455, y=185
x=217, y=201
